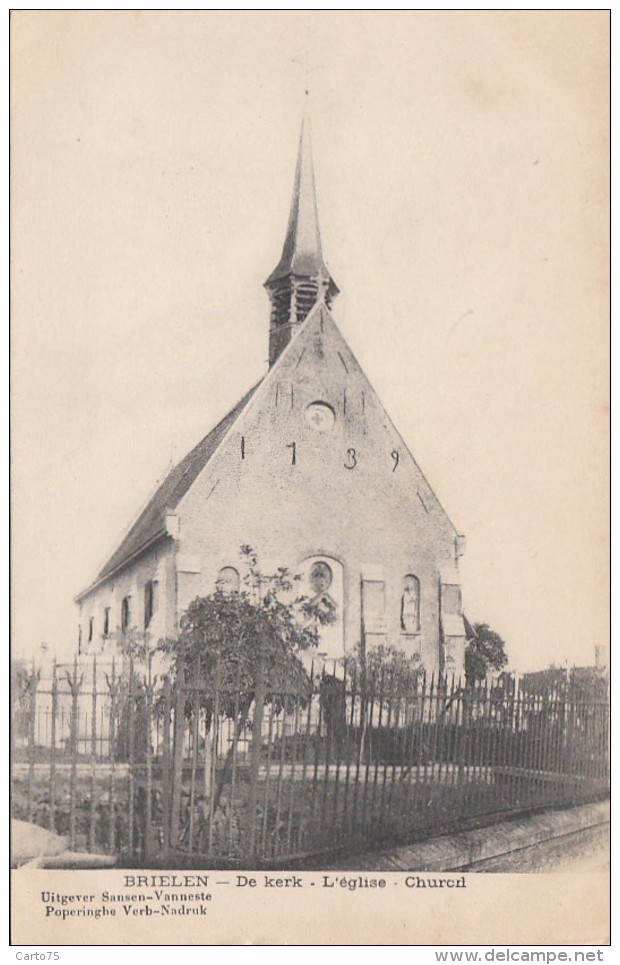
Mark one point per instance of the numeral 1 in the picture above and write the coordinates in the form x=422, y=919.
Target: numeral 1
x=292, y=446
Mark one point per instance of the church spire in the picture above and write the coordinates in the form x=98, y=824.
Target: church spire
x=301, y=277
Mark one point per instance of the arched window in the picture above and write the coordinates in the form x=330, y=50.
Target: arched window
x=227, y=580
x=149, y=602
x=410, y=605
x=323, y=584
x=320, y=577
x=126, y=613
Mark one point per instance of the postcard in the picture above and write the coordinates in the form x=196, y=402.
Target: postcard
x=310, y=396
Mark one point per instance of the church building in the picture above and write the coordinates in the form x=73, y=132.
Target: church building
x=307, y=469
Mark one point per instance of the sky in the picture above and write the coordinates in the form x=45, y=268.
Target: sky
x=462, y=174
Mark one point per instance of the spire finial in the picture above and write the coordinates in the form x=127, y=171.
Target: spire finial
x=302, y=253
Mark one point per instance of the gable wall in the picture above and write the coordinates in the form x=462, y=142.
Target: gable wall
x=370, y=518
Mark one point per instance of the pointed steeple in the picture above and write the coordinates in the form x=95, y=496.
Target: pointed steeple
x=301, y=277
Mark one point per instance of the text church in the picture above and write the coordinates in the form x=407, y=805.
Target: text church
x=309, y=471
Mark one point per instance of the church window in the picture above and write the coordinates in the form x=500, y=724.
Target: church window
x=125, y=613
x=149, y=602
x=323, y=586
x=321, y=577
x=106, y=622
x=227, y=580
x=410, y=605
x=91, y=629
x=320, y=416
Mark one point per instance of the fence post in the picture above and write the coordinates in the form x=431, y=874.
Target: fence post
x=75, y=685
x=463, y=726
x=113, y=683
x=209, y=748
x=177, y=760
x=131, y=747
x=165, y=769
x=54, y=693
x=93, y=760
x=211, y=756
x=148, y=805
x=32, y=682
x=257, y=726
x=195, y=735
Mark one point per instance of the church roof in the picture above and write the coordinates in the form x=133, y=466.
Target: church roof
x=151, y=523
x=302, y=254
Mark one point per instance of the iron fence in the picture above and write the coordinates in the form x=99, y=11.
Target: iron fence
x=198, y=774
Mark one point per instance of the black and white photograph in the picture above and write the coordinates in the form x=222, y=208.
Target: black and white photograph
x=310, y=476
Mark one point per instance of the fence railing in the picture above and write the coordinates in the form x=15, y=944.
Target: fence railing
x=195, y=773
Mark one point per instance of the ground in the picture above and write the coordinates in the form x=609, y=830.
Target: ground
x=582, y=852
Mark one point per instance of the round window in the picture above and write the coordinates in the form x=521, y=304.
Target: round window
x=320, y=416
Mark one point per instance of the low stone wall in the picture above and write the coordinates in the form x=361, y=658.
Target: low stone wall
x=456, y=852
